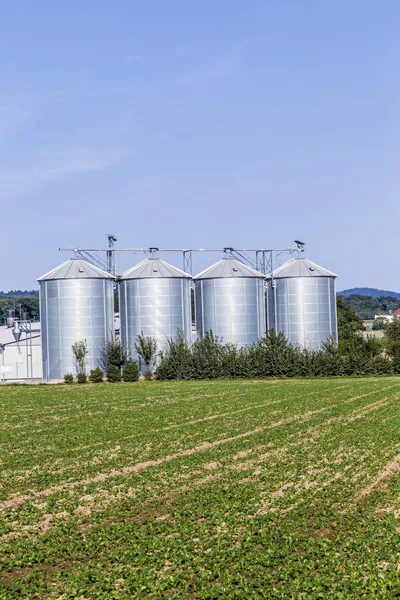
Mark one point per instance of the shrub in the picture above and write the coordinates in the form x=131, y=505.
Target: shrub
x=80, y=351
x=131, y=371
x=273, y=356
x=82, y=377
x=96, y=375
x=112, y=353
x=68, y=378
x=113, y=374
x=146, y=347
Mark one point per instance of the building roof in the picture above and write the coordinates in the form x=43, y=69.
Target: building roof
x=300, y=267
x=76, y=268
x=152, y=268
x=227, y=268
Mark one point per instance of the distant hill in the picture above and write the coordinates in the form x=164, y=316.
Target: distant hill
x=372, y=292
x=367, y=307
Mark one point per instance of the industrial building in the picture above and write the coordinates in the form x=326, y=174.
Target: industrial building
x=233, y=299
x=23, y=359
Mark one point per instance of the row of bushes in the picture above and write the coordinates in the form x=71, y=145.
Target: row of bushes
x=273, y=356
x=130, y=373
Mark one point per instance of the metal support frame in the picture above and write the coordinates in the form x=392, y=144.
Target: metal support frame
x=263, y=261
x=26, y=327
x=187, y=256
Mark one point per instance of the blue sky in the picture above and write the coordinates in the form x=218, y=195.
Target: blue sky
x=240, y=122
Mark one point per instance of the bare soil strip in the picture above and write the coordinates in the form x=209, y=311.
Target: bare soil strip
x=219, y=415
x=20, y=499
x=388, y=472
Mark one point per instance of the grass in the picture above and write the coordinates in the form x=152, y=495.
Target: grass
x=221, y=489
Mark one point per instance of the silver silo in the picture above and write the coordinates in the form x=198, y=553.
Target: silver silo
x=154, y=298
x=301, y=303
x=230, y=301
x=76, y=303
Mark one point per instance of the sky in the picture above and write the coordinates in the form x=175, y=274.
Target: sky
x=247, y=123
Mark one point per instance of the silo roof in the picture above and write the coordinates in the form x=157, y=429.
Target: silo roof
x=76, y=268
x=300, y=267
x=151, y=268
x=226, y=268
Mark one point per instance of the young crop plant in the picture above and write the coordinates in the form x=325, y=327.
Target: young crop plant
x=221, y=488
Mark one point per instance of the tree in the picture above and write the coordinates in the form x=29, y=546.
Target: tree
x=379, y=324
x=367, y=307
x=80, y=351
x=112, y=353
x=146, y=347
x=392, y=343
x=350, y=326
x=20, y=305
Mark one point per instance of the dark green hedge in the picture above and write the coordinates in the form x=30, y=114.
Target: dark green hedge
x=273, y=356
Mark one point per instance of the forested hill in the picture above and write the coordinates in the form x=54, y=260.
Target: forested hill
x=367, y=307
x=16, y=293
x=372, y=292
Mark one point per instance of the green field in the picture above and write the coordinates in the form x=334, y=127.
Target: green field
x=221, y=489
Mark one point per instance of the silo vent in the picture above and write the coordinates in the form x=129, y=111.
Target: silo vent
x=311, y=269
x=80, y=270
x=155, y=270
x=235, y=269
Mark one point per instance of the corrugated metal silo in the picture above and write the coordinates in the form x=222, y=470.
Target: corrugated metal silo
x=155, y=299
x=230, y=301
x=301, y=303
x=76, y=303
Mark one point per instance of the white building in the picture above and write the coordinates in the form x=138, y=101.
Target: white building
x=387, y=318
x=23, y=361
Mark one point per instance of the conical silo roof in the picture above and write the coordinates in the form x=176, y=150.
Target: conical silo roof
x=76, y=268
x=226, y=268
x=151, y=268
x=300, y=267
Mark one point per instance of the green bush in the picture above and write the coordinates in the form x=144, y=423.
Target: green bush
x=80, y=352
x=113, y=374
x=82, y=377
x=272, y=356
x=112, y=353
x=131, y=371
x=68, y=378
x=146, y=347
x=96, y=375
